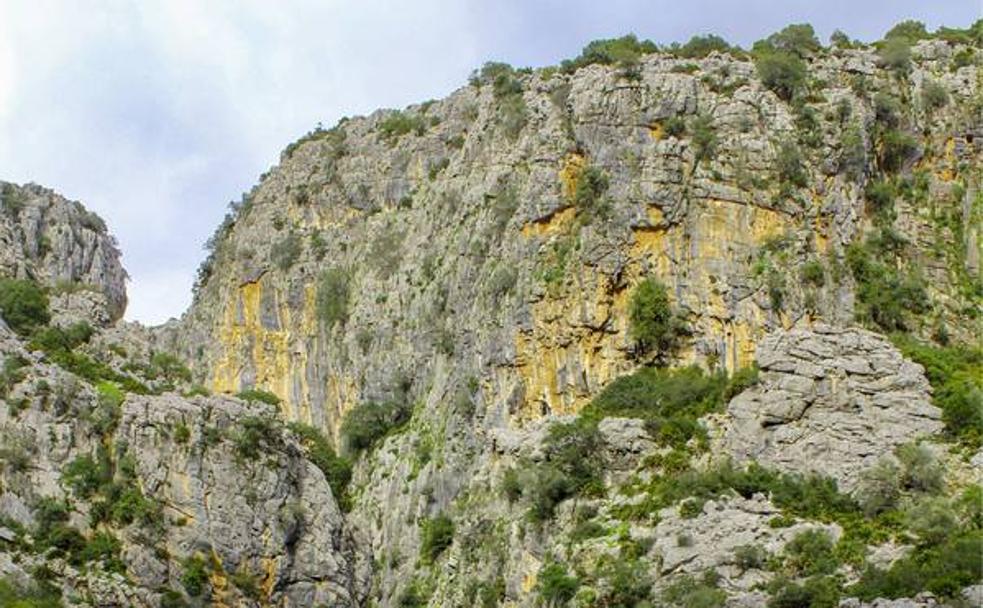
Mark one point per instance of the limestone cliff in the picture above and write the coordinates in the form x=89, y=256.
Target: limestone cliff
x=414, y=376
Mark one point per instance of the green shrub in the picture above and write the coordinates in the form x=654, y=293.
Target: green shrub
x=398, y=123
x=255, y=394
x=674, y=126
x=194, y=575
x=816, y=592
x=169, y=368
x=61, y=338
x=886, y=297
x=554, y=585
x=588, y=194
x=253, y=433
x=437, y=535
x=367, y=423
x=628, y=583
x=669, y=400
x=15, y=595
x=789, y=167
x=246, y=583
x=934, y=95
x=813, y=273
x=23, y=305
x=704, y=137
x=653, y=325
x=895, y=149
x=688, y=592
x=750, y=557
x=103, y=548
x=415, y=595
x=699, y=47
x=921, y=471
x=512, y=116
x=12, y=373
x=880, y=487
x=895, y=54
x=85, y=475
x=810, y=552
x=944, y=569
x=624, y=52
x=337, y=470
x=954, y=373
x=781, y=72
x=182, y=434
x=798, y=39
x=333, y=294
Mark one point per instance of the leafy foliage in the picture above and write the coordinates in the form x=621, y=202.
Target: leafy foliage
x=588, y=195
x=653, y=325
x=256, y=394
x=333, y=295
x=955, y=373
x=700, y=46
x=886, y=294
x=285, y=252
x=437, y=535
x=337, y=470
x=624, y=52
x=367, y=423
x=397, y=124
x=554, y=585
x=23, y=305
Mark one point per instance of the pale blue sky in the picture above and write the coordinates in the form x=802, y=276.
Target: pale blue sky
x=157, y=113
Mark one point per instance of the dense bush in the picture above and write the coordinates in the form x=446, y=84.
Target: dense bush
x=934, y=95
x=954, y=373
x=254, y=433
x=437, y=534
x=670, y=401
x=689, y=592
x=704, y=137
x=653, y=325
x=700, y=46
x=23, y=305
x=781, y=72
x=624, y=52
x=337, y=470
x=13, y=595
x=886, y=296
x=816, y=592
x=797, y=39
x=398, y=123
x=194, y=575
x=369, y=422
x=256, y=394
x=789, y=167
x=554, y=585
x=333, y=295
x=588, y=194
x=810, y=552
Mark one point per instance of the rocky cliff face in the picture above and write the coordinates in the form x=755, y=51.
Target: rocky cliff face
x=64, y=246
x=444, y=294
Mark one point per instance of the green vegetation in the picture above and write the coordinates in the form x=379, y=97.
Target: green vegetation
x=253, y=434
x=670, y=400
x=12, y=373
x=397, y=124
x=333, y=295
x=337, y=470
x=415, y=595
x=554, y=585
x=12, y=200
x=955, y=373
x=704, y=137
x=689, y=592
x=168, y=368
x=437, y=534
x=507, y=89
x=286, y=251
x=23, y=305
x=194, y=574
x=810, y=552
x=367, y=423
x=588, y=194
x=789, y=166
x=653, y=325
x=699, y=47
x=255, y=394
x=888, y=295
x=781, y=72
x=38, y=596
x=815, y=592
x=625, y=52
x=246, y=583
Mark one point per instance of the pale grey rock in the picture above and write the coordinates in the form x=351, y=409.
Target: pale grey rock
x=837, y=426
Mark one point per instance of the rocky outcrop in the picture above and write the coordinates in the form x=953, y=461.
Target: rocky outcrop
x=61, y=244
x=831, y=401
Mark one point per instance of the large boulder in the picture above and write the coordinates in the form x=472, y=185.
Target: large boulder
x=830, y=401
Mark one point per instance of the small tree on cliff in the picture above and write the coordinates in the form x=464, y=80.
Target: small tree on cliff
x=653, y=325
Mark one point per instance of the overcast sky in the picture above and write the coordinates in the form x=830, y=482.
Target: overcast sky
x=156, y=114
